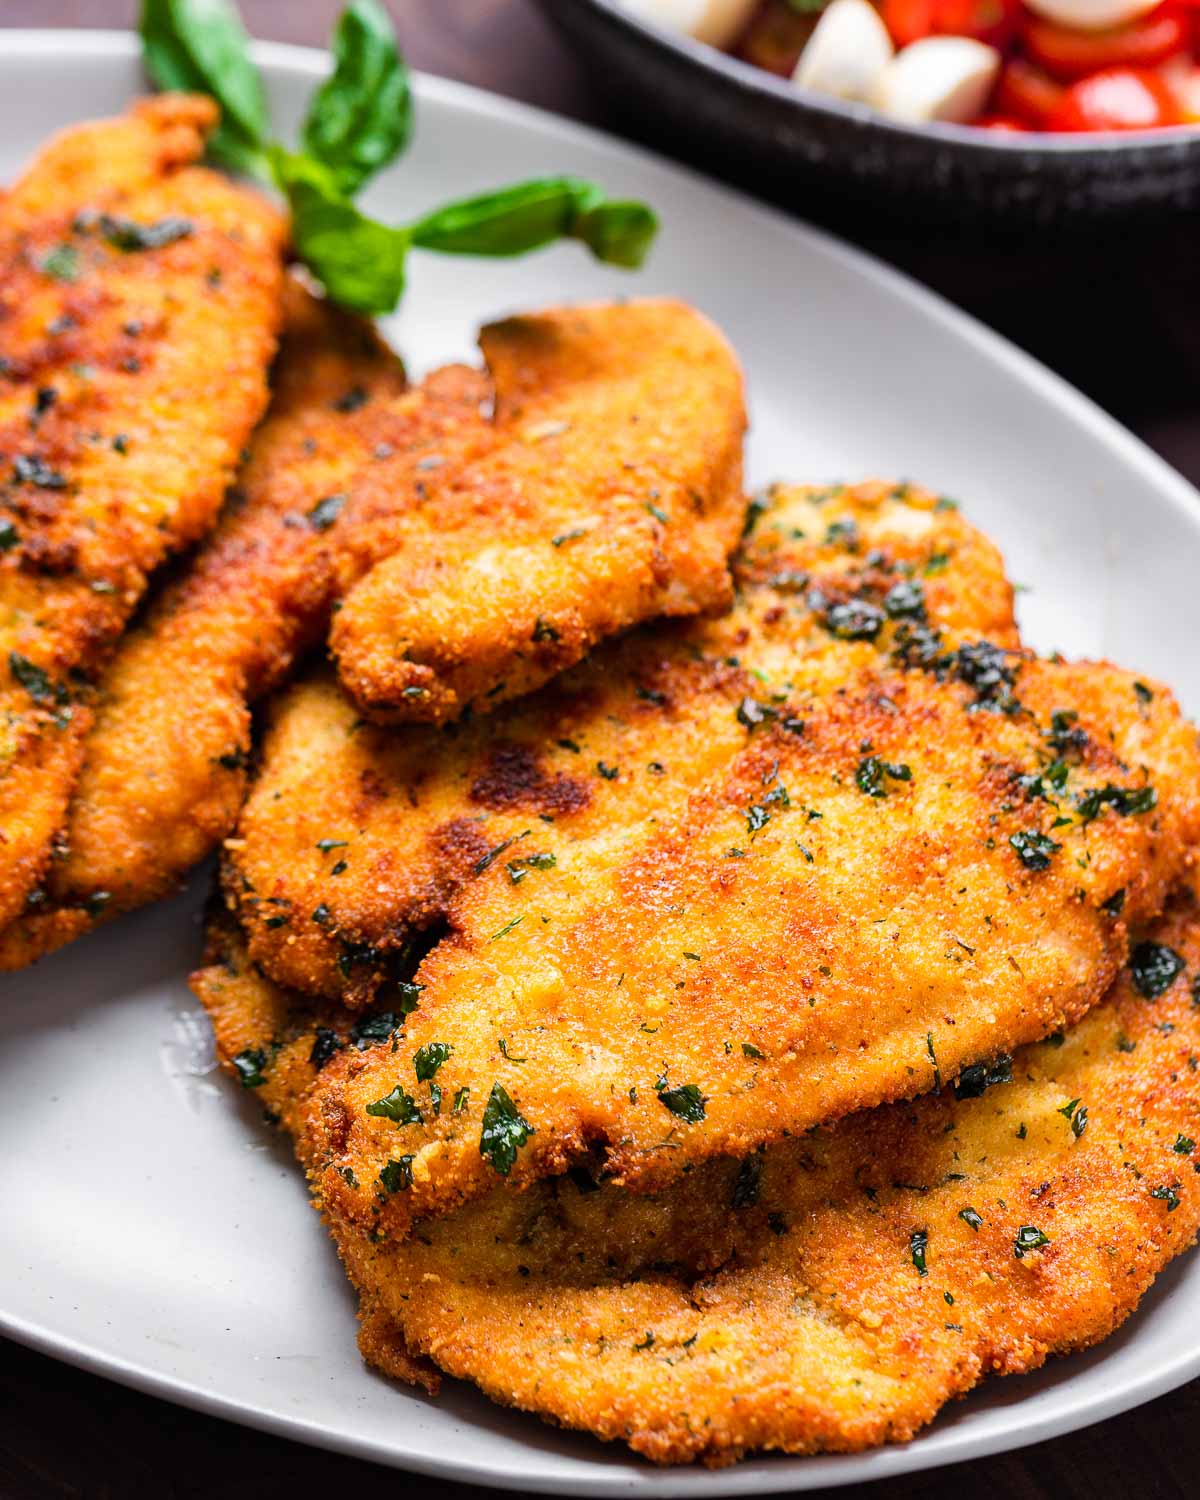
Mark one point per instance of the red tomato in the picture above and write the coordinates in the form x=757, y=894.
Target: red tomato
x=1116, y=99
x=1004, y=124
x=908, y=20
x=1184, y=83
x=1027, y=93
x=991, y=21
x=1073, y=54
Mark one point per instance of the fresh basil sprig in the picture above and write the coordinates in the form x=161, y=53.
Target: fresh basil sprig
x=359, y=120
x=362, y=262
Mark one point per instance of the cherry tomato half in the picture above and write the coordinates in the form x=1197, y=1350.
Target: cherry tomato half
x=1073, y=54
x=991, y=21
x=908, y=20
x=1116, y=99
x=1027, y=93
x=1184, y=83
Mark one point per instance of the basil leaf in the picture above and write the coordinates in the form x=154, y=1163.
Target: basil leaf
x=200, y=47
x=619, y=232
x=510, y=221
x=359, y=261
x=528, y=215
x=361, y=116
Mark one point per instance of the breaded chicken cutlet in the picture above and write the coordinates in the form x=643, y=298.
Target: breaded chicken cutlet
x=615, y=497
x=827, y=1294
x=139, y=303
x=345, y=466
x=381, y=829
x=165, y=762
x=723, y=882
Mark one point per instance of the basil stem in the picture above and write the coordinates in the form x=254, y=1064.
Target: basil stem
x=359, y=261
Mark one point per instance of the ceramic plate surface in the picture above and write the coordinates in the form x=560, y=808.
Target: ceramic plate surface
x=151, y=1230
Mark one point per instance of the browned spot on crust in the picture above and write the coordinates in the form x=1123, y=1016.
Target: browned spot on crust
x=460, y=843
x=514, y=777
x=337, y=1121
x=43, y=554
x=372, y=788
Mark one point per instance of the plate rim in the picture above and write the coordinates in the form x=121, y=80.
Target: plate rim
x=772, y=1473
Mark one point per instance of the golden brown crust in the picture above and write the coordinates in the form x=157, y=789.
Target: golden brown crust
x=802, y=1322
x=381, y=829
x=133, y=374
x=164, y=773
x=702, y=898
x=165, y=768
x=616, y=497
x=828, y=1294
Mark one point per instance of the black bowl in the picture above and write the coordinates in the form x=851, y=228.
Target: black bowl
x=748, y=125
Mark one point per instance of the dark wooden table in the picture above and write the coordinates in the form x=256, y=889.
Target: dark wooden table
x=1117, y=311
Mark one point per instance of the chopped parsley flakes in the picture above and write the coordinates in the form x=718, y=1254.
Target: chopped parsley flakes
x=325, y=512
x=976, y=1079
x=684, y=1100
x=504, y=1130
x=396, y=1175
x=1125, y=800
x=1034, y=849
x=872, y=773
x=1029, y=1238
x=747, y=1183
x=249, y=1067
x=124, y=234
x=398, y=1106
x=429, y=1058
x=1154, y=968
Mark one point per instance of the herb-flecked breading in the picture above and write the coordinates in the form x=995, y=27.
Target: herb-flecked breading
x=139, y=302
x=615, y=498
x=346, y=464
x=777, y=1301
x=379, y=830
x=166, y=762
x=734, y=883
